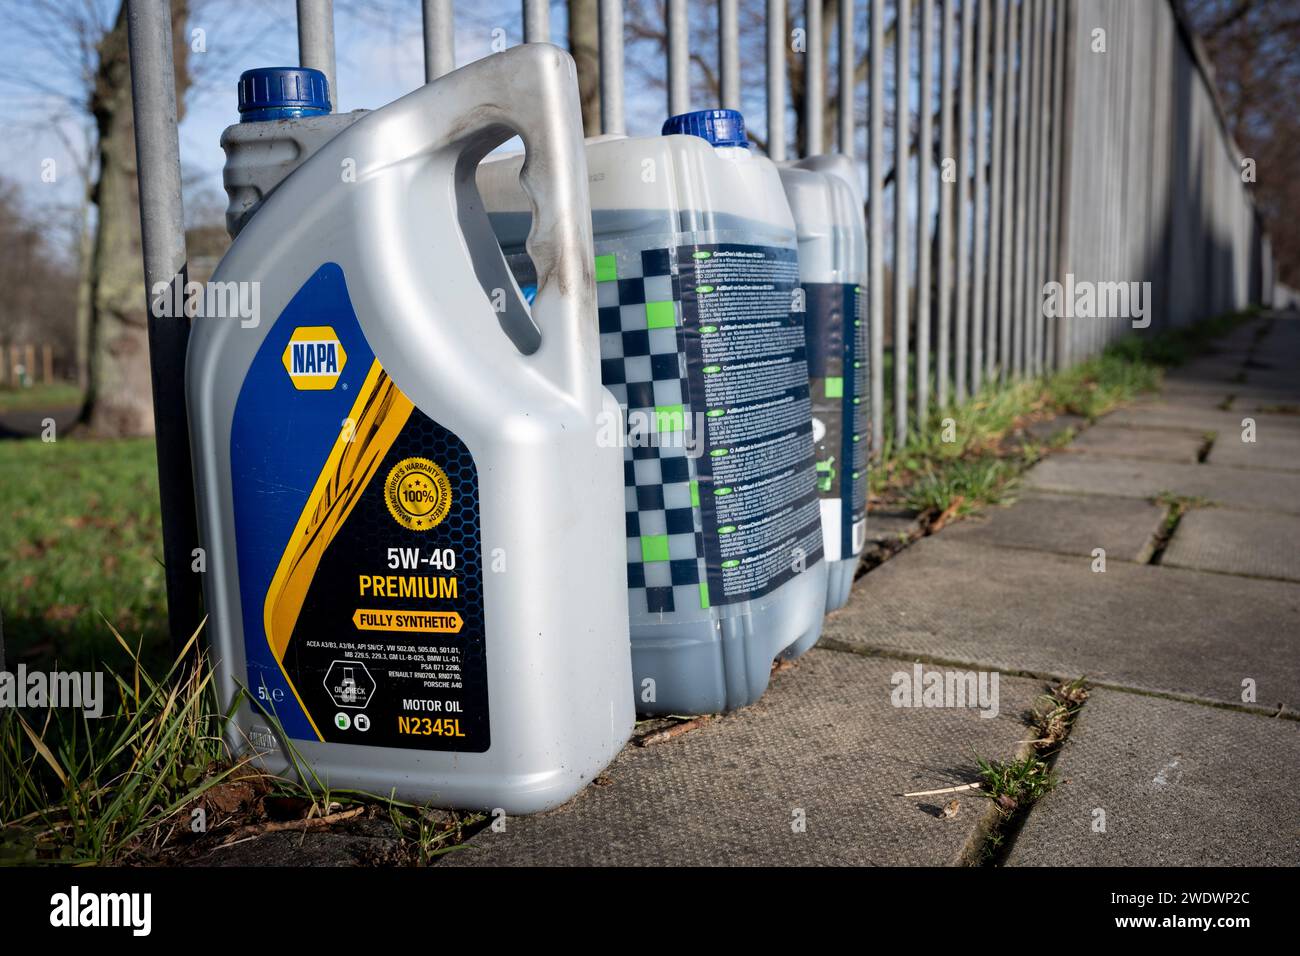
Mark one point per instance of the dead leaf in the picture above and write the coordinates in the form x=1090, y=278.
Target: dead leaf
x=230, y=797
x=62, y=612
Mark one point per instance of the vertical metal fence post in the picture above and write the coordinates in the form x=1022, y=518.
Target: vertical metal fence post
x=963, y=203
x=1051, y=110
x=537, y=21
x=993, y=303
x=162, y=235
x=925, y=168
x=813, y=80
x=729, y=54
x=1044, y=182
x=876, y=223
x=1032, y=301
x=776, y=41
x=848, y=72
x=1006, y=290
x=611, y=67
x=316, y=42
x=439, y=39
x=943, y=256
x=902, y=152
x=679, y=58
x=980, y=168
x=1022, y=184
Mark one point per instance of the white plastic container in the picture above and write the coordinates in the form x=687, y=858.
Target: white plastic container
x=696, y=269
x=396, y=498
x=827, y=208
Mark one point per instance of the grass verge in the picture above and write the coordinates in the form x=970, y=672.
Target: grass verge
x=81, y=542
x=40, y=398
x=970, y=456
x=153, y=782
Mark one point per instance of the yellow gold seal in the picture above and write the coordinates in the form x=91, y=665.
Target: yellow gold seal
x=417, y=493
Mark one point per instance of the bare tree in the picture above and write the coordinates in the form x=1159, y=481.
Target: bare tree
x=118, y=400
x=584, y=46
x=1254, y=46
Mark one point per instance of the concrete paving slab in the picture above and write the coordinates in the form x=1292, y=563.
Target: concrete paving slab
x=889, y=526
x=1150, y=627
x=1282, y=380
x=1276, y=449
x=1164, y=414
x=1179, y=784
x=1276, y=403
x=1115, y=441
x=1068, y=524
x=1198, y=394
x=1252, y=543
x=1208, y=372
x=824, y=740
x=1251, y=489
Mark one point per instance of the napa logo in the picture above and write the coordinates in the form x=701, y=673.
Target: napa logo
x=314, y=357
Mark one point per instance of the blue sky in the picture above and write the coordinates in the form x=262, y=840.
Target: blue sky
x=379, y=51
x=380, y=57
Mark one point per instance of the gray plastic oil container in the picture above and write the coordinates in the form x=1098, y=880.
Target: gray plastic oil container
x=696, y=269
x=398, y=488
x=827, y=207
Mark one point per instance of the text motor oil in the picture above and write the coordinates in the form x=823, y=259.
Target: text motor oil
x=832, y=271
x=696, y=271
x=397, y=488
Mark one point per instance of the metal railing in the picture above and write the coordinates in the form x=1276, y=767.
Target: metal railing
x=1078, y=142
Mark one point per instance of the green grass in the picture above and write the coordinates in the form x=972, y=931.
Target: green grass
x=1178, y=505
x=1098, y=385
x=1012, y=784
x=74, y=789
x=80, y=538
x=39, y=397
x=124, y=788
x=962, y=485
x=962, y=460
x=1174, y=347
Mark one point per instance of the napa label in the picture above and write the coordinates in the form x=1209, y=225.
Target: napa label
x=314, y=358
x=358, y=540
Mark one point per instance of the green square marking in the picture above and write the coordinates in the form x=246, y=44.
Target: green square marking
x=834, y=386
x=606, y=268
x=704, y=596
x=670, y=418
x=659, y=315
x=654, y=547
x=695, y=494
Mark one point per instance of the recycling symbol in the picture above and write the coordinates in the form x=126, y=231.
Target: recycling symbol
x=349, y=684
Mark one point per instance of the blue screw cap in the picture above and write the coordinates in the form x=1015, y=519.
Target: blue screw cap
x=718, y=127
x=282, y=92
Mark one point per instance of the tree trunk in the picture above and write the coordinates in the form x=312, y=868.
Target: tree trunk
x=584, y=42
x=119, y=400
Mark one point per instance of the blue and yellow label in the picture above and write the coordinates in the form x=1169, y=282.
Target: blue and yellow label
x=358, y=541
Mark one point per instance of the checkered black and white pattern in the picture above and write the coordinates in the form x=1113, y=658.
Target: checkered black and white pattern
x=643, y=364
